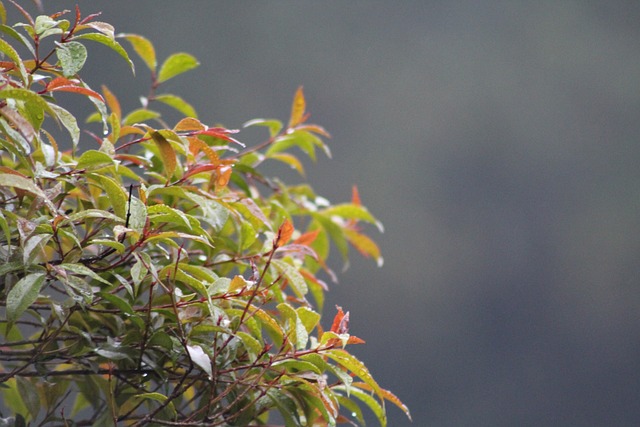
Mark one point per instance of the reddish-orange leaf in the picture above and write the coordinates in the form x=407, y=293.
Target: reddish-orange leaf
x=315, y=129
x=355, y=196
x=355, y=340
x=338, y=320
x=221, y=133
x=199, y=169
x=298, y=108
x=307, y=238
x=112, y=102
x=60, y=84
x=284, y=233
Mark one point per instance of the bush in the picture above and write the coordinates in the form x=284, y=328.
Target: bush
x=162, y=278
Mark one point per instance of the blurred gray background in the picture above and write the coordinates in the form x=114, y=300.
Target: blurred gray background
x=498, y=143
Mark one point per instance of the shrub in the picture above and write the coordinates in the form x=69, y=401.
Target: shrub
x=162, y=278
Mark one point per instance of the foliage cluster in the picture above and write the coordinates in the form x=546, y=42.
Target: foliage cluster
x=161, y=278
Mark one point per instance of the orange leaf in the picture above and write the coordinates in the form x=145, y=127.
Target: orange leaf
x=189, y=124
x=307, y=238
x=338, y=320
x=355, y=196
x=224, y=174
x=284, y=233
x=196, y=144
x=112, y=102
x=297, y=108
x=355, y=340
x=60, y=84
x=167, y=153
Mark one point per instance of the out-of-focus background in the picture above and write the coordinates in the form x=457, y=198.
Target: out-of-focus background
x=498, y=142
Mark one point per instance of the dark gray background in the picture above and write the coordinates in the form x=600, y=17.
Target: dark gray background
x=498, y=143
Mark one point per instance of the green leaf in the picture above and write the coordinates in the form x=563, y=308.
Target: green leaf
x=177, y=103
x=8, y=50
x=23, y=294
x=296, y=281
x=275, y=126
x=144, y=48
x=109, y=42
x=84, y=271
x=350, y=362
x=119, y=247
x=158, y=397
x=163, y=213
x=29, y=97
x=94, y=159
x=290, y=160
x=72, y=56
x=175, y=64
x=29, y=394
x=92, y=213
x=116, y=194
x=46, y=26
x=17, y=181
x=352, y=211
x=371, y=402
x=139, y=116
x=69, y=121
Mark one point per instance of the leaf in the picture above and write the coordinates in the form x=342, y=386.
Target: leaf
x=200, y=358
x=275, y=126
x=388, y=396
x=167, y=153
x=365, y=245
x=158, y=397
x=8, y=50
x=27, y=96
x=284, y=233
x=178, y=103
x=109, y=42
x=175, y=64
x=350, y=211
x=350, y=362
x=23, y=294
x=84, y=271
x=116, y=194
x=29, y=394
x=370, y=401
x=144, y=48
x=68, y=120
x=297, y=109
x=140, y=115
x=72, y=56
x=17, y=181
x=61, y=84
x=295, y=279
x=93, y=159
x=290, y=160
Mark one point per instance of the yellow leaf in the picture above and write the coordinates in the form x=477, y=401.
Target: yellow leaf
x=167, y=153
x=297, y=109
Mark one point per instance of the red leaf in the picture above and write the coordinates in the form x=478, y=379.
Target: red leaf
x=221, y=133
x=355, y=196
x=339, y=322
x=60, y=84
x=198, y=169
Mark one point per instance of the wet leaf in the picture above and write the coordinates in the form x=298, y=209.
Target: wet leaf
x=167, y=153
x=178, y=103
x=200, y=358
x=284, y=233
x=144, y=48
x=72, y=56
x=176, y=64
x=109, y=42
x=23, y=294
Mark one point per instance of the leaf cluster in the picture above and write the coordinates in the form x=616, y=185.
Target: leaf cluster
x=162, y=278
